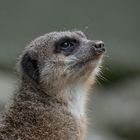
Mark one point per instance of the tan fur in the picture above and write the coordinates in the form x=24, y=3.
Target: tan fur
x=51, y=106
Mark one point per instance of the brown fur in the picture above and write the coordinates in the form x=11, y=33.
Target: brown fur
x=41, y=108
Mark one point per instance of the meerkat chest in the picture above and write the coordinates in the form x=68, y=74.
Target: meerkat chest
x=76, y=100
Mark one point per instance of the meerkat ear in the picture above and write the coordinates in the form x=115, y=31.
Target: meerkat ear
x=29, y=64
x=80, y=33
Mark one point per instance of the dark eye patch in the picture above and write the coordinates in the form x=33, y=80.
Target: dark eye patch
x=66, y=45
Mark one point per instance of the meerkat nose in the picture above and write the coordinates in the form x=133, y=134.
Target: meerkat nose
x=98, y=44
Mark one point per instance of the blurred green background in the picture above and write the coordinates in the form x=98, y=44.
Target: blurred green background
x=114, y=108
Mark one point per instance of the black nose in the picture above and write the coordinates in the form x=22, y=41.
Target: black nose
x=98, y=46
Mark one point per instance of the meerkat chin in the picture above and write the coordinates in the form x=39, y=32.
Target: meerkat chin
x=55, y=73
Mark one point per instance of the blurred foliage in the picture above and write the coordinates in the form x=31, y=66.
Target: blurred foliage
x=112, y=75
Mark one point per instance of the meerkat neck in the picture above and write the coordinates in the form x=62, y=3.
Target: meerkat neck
x=76, y=95
x=29, y=90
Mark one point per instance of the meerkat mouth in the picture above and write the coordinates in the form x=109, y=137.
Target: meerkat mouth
x=87, y=62
x=94, y=58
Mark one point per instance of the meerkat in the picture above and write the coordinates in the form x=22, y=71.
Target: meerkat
x=56, y=72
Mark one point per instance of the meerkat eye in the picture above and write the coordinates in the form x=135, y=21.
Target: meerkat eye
x=66, y=45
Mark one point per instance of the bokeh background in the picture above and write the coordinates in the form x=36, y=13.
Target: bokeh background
x=114, y=107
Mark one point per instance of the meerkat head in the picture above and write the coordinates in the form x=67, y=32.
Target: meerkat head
x=60, y=58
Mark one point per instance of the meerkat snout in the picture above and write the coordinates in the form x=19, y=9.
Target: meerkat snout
x=99, y=44
x=55, y=72
x=98, y=47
